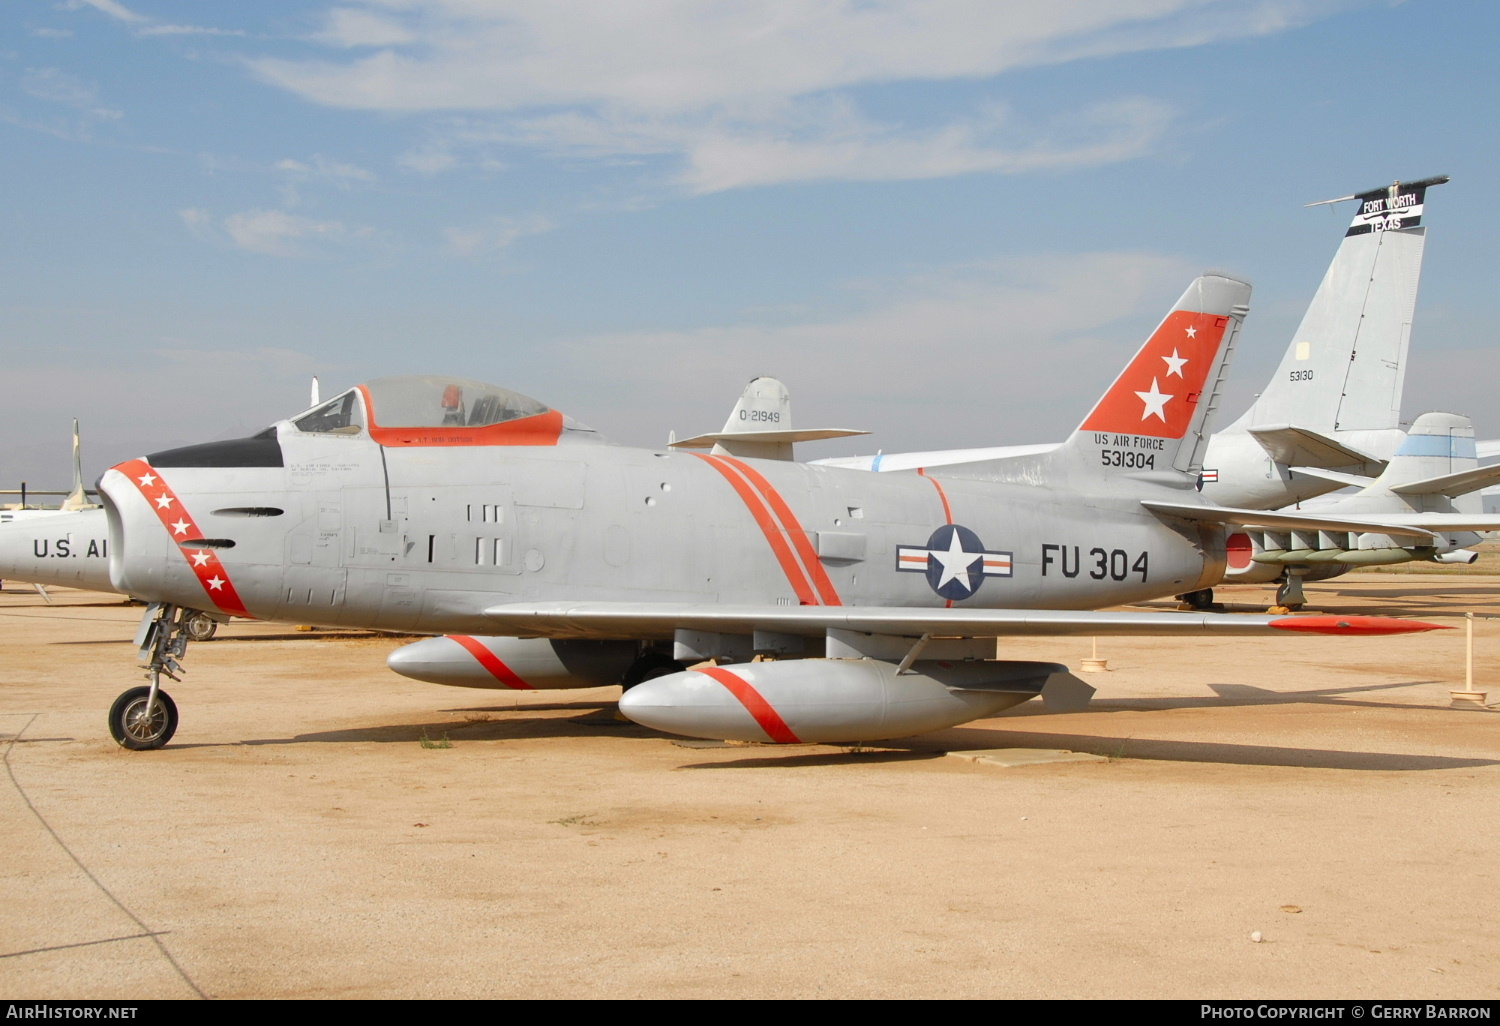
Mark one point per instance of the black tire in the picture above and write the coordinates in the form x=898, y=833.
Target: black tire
x=200, y=627
x=127, y=723
x=649, y=667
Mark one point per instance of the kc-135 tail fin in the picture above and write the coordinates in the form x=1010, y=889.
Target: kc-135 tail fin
x=1345, y=366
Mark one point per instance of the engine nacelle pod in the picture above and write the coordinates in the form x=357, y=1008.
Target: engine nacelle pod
x=814, y=700
x=518, y=664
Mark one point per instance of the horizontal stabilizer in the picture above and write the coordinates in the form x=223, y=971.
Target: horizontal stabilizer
x=1395, y=524
x=1348, y=480
x=1297, y=446
x=796, y=435
x=659, y=620
x=1451, y=485
x=1487, y=448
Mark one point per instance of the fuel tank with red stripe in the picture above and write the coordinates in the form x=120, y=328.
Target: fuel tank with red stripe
x=516, y=664
x=833, y=700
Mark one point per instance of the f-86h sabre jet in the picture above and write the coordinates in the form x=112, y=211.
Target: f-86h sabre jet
x=548, y=557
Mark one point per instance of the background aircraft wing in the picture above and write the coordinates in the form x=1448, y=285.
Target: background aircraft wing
x=1452, y=485
x=1291, y=445
x=1394, y=524
x=658, y=620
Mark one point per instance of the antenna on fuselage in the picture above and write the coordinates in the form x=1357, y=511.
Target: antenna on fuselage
x=316, y=398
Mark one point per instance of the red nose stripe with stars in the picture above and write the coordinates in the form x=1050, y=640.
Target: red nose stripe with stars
x=491, y=662
x=180, y=527
x=755, y=704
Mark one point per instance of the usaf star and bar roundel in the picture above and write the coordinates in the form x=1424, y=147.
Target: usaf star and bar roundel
x=1158, y=393
x=954, y=560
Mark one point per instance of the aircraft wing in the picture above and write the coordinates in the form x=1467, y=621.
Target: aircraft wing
x=1462, y=483
x=1347, y=480
x=1294, y=446
x=658, y=620
x=708, y=441
x=936, y=458
x=1396, y=524
x=1439, y=522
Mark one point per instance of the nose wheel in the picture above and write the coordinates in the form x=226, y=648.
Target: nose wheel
x=138, y=723
x=145, y=717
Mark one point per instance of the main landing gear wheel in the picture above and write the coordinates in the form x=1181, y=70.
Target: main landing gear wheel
x=1199, y=601
x=138, y=723
x=649, y=667
x=199, y=626
x=1289, y=596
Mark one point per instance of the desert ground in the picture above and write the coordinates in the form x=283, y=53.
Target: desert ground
x=298, y=839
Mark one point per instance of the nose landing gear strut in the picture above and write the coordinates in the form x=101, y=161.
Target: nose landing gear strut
x=146, y=717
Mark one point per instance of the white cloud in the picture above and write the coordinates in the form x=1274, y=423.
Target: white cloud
x=142, y=25
x=324, y=169
x=58, y=86
x=52, y=33
x=690, y=55
x=495, y=234
x=1007, y=351
x=115, y=10
x=273, y=232
x=428, y=160
x=278, y=233
x=187, y=30
x=751, y=93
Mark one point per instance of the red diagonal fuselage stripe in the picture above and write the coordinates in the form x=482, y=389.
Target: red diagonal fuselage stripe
x=491, y=662
x=947, y=510
x=180, y=527
x=755, y=704
x=793, y=529
x=794, y=575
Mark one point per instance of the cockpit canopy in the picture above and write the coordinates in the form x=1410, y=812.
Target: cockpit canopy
x=430, y=409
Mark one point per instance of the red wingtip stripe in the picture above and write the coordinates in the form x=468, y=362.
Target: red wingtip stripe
x=1354, y=625
x=491, y=662
x=755, y=704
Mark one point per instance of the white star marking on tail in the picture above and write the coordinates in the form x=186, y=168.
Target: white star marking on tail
x=1192, y=332
x=148, y=480
x=1174, y=363
x=163, y=502
x=1156, y=404
x=955, y=560
x=200, y=559
x=216, y=583
x=180, y=527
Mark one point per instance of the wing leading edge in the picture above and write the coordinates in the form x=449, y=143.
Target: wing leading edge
x=659, y=620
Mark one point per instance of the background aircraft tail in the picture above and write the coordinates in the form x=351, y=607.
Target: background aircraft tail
x=760, y=426
x=1434, y=471
x=1346, y=364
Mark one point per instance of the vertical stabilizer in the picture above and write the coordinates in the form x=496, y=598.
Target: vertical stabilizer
x=1346, y=364
x=760, y=426
x=77, y=498
x=1156, y=414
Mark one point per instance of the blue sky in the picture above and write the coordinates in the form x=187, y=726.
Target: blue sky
x=949, y=221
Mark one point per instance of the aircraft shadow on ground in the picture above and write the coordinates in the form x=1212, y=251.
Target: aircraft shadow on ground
x=1228, y=696
x=591, y=722
x=963, y=739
